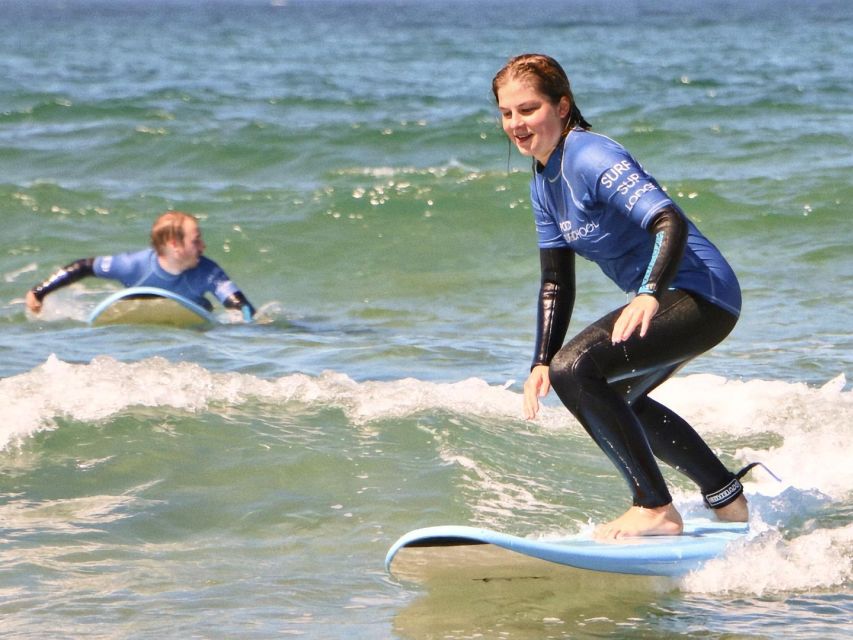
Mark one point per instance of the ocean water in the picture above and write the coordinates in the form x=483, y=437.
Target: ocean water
x=346, y=162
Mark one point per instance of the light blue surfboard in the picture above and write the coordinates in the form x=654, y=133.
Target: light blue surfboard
x=648, y=555
x=150, y=305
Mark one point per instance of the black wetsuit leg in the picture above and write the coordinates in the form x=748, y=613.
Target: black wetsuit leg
x=605, y=386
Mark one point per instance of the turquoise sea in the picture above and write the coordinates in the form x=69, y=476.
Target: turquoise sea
x=346, y=162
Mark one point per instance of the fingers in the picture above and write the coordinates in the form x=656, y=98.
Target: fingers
x=531, y=407
x=33, y=303
x=531, y=401
x=644, y=325
x=545, y=387
x=626, y=324
x=638, y=313
x=537, y=386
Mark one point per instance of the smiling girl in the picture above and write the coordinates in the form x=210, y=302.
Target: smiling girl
x=591, y=198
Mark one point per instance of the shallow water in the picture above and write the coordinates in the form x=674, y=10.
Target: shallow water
x=347, y=165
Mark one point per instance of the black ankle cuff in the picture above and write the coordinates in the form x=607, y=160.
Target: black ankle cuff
x=733, y=489
x=724, y=496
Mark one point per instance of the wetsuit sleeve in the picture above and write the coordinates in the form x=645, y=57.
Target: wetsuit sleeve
x=556, y=302
x=68, y=274
x=238, y=301
x=669, y=230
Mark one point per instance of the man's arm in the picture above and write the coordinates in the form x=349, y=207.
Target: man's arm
x=68, y=274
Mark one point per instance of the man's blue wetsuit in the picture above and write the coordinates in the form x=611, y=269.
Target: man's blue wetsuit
x=141, y=268
x=593, y=199
x=593, y=196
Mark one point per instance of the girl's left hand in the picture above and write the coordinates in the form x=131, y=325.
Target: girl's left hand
x=638, y=313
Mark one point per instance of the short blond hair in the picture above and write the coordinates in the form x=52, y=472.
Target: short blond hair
x=168, y=227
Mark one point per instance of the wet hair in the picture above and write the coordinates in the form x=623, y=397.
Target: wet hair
x=167, y=228
x=547, y=77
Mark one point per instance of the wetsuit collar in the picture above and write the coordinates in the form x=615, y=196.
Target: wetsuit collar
x=551, y=170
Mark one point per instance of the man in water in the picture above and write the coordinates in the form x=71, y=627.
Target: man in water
x=174, y=262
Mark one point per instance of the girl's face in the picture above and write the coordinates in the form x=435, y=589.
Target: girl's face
x=530, y=119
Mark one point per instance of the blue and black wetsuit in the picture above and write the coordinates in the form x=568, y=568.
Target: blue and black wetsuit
x=594, y=200
x=141, y=268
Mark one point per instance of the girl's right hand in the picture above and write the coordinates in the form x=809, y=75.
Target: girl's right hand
x=537, y=386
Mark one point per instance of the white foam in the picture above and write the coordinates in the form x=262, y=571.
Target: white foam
x=802, y=433
x=104, y=387
x=805, y=433
x=768, y=563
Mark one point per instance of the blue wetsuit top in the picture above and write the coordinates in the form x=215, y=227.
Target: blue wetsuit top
x=593, y=197
x=140, y=268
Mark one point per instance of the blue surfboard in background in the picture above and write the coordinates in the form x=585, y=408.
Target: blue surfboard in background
x=150, y=305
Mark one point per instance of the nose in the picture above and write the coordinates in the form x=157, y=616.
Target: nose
x=512, y=120
x=515, y=121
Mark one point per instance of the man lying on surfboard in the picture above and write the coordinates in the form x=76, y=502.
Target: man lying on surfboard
x=174, y=262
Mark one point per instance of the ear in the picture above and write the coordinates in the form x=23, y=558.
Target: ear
x=564, y=107
x=171, y=244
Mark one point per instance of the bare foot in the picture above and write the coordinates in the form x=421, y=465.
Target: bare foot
x=737, y=511
x=639, y=521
